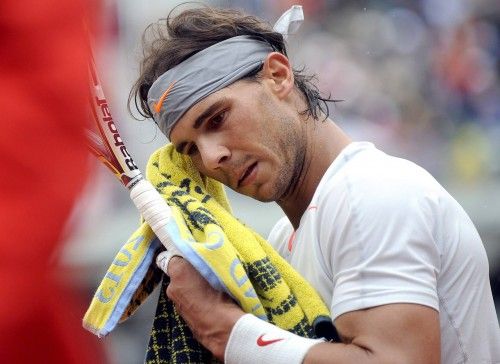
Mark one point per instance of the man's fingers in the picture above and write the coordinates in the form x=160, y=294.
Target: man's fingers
x=163, y=259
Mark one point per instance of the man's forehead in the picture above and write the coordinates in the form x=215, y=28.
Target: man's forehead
x=199, y=108
x=189, y=120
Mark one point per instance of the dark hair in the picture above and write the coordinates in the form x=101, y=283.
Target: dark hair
x=174, y=39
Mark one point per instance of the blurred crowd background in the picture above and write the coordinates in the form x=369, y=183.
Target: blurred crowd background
x=420, y=79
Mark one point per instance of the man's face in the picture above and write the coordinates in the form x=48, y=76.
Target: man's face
x=246, y=138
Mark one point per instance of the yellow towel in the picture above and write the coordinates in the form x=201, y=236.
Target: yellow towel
x=228, y=254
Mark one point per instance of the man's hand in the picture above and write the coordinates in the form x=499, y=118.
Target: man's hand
x=209, y=313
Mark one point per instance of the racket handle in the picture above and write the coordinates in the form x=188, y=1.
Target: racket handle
x=153, y=209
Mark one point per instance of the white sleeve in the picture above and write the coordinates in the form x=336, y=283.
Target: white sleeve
x=280, y=235
x=381, y=244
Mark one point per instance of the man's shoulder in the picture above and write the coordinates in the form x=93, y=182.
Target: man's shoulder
x=371, y=173
x=377, y=187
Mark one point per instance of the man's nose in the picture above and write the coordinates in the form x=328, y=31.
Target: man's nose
x=213, y=153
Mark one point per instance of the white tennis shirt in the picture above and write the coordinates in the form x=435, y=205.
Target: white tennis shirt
x=382, y=230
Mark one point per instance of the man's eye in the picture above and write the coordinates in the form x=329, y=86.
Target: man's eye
x=217, y=119
x=192, y=149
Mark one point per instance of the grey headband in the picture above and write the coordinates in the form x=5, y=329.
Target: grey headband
x=212, y=69
x=202, y=74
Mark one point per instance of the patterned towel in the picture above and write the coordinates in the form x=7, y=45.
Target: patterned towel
x=231, y=256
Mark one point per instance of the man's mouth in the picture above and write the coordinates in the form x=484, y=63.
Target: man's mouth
x=247, y=176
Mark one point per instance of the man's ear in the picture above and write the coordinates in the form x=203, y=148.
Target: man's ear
x=278, y=72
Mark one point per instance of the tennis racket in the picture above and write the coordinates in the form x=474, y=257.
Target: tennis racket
x=109, y=147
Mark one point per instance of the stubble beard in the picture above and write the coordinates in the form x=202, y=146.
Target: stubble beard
x=292, y=145
x=291, y=172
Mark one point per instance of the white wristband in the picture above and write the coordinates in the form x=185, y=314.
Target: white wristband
x=253, y=340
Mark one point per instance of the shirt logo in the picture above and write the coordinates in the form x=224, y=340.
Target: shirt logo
x=163, y=97
x=262, y=342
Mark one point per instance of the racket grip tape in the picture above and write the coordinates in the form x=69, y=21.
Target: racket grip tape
x=153, y=209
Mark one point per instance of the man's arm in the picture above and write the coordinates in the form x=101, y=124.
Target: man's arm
x=395, y=333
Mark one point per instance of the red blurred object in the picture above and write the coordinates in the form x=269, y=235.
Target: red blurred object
x=44, y=163
x=456, y=64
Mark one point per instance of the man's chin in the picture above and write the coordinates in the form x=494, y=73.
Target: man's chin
x=264, y=199
x=258, y=195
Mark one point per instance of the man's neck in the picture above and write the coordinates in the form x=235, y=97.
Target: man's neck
x=325, y=142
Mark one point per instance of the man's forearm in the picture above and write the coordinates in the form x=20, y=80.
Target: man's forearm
x=255, y=341
x=333, y=353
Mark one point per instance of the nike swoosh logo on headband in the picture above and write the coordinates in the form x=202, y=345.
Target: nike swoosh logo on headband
x=163, y=97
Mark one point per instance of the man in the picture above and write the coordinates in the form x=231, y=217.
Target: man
x=393, y=255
